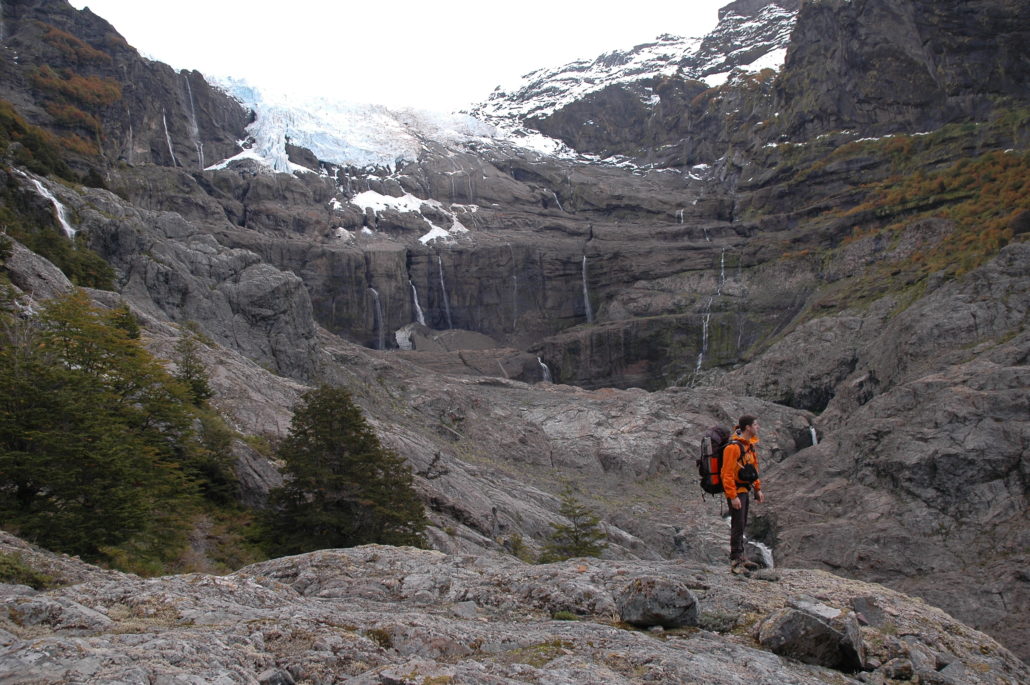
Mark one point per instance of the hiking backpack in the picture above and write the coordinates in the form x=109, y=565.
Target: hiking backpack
x=709, y=464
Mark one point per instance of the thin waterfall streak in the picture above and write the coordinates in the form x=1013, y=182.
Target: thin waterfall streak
x=679, y=215
x=443, y=287
x=419, y=315
x=557, y=201
x=515, y=302
x=62, y=212
x=381, y=334
x=815, y=436
x=194, y=128
x=705, y=319
x=586, y=293
x=722, y=270
x=515, y=291
x=168, y=138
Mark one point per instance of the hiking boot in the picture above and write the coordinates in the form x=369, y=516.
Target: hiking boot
x=737, y=567
x=750, y=565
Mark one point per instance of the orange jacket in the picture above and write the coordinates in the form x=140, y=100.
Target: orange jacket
x=732, y=462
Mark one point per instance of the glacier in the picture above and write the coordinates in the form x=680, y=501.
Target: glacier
x=339, y=131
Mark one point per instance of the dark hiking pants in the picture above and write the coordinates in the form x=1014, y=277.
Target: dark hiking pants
x=738, y=522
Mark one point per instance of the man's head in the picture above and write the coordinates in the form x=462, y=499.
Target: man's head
x=748, y=426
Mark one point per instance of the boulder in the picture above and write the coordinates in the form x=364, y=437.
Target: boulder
x=806, y=637
x=647, y=602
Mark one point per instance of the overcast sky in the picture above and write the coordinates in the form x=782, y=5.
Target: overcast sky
x=432, y=54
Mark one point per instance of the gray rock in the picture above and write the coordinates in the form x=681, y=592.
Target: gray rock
x=59, y=613
x=647, y=602
x=898, y=669
x=34, y=275
x=465, y=610
x=869, y=612
x=361, y=614
x=275, y=676
x=807, y=638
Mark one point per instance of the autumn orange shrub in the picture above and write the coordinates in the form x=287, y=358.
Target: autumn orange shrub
x=70, y=115
x=78, y=144
x=85, y=90
x=73, y=49
x=981, y=195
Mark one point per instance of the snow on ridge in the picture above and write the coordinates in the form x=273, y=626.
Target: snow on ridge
x=378, y=202
x=545, y=90
x=712, y=59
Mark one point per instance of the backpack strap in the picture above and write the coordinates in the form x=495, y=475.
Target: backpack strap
x=743, y=448
x=740, y=459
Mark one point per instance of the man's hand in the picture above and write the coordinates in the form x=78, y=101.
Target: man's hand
x=735, y=503
x=759, y=496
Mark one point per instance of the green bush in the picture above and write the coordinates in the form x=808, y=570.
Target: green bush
x=15, y=571
x=94, y=434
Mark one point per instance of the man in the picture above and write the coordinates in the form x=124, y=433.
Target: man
x=739, y=476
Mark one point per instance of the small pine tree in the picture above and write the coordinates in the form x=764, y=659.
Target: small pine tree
x=343, y=488
x=122, y=317
x=581, y=537
x=190, y=370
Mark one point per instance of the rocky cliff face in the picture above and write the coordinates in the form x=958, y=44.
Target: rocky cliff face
x=745, y=239
x=71, y=71
x=887, y=67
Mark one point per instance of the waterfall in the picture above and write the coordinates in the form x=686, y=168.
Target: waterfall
x=586, y=293
x=168, y=137
x=767, y=555
x=722, y=271
x=514, y=302
x=815, y=438
x=194, y=128
x=557, y=201
x=515, y=291
x=763, y=549
x=62, y=213
x=419, y=316
x=544, y=371
x=443, y=287
x=679, y=215
x=708, y=238
x=128, y=150
x=381, y=340
x=705, y=319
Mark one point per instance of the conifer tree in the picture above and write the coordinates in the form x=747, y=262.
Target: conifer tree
x=581, y=537
x=191, y=370
x=92, y=434
x=343, y=488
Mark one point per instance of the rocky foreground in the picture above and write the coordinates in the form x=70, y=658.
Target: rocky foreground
x=378, y=614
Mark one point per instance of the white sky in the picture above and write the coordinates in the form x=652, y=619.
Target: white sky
x=432, y=54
